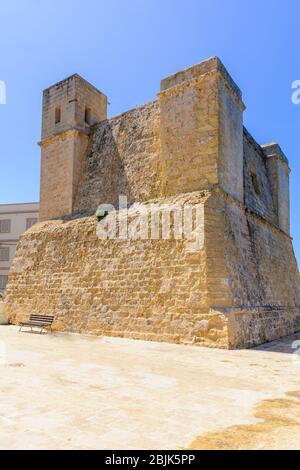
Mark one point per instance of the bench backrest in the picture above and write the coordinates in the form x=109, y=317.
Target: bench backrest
x=42, y=318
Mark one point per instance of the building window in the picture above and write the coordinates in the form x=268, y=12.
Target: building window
x=57, y=115
x=255, y=183
x=3, y=281
x=4, y=253
x=5, y=226
x=87, y=116
x=31, y=222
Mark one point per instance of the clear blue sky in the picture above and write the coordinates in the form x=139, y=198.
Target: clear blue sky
x=125, y=47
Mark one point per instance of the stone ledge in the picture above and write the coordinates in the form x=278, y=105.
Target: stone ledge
x=74, y=131
x=273, y=150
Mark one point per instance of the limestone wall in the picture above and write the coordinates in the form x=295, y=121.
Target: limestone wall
x=278, y=173
x=61, y=173
x=67, y=106
x=148, y=289
x=258, y=190
x=260, y=265
x=123, y=159
x=189, y=136
x=252, y=272
x=190, y=139
x=201, y=131
x=241, y=288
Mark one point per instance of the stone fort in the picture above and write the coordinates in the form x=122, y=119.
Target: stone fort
x=188, y=146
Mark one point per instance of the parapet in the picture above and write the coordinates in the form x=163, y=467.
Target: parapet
x=201, y=130
x=208, y=66
x=273, y=150
x=278, y=172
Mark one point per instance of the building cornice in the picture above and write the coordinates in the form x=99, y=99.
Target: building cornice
x=19, y=212
x=64, y=135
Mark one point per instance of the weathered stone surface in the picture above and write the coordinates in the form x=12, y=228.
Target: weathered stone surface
x=188, y=147
x=258, y=191
x=3, y=317
x=225, y=295
x=147, y=289
x=122, y=159
x=65, y=140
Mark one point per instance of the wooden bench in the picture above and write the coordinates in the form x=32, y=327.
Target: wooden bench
x=44, y=322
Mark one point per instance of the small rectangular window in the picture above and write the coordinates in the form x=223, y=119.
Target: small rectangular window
x=31, y=222
x=87, y=116
x=5, y=226
x=3, y=281
x=4, y=253
x=255, y=183
x=57, y=115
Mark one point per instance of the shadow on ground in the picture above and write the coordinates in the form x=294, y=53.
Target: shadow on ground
x=287, y=345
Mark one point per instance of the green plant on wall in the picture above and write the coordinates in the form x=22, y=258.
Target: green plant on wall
x=101, y=214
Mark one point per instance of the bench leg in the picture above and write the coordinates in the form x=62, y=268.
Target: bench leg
x=31, y=329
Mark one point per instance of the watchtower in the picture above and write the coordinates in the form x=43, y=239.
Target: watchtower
x=70, y=108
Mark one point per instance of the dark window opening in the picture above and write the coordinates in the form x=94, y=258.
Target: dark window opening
x=5, y=226
x=255, y=183
x=87, y=116
x=57, y=115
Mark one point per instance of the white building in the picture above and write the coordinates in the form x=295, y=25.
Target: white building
x=15, y=219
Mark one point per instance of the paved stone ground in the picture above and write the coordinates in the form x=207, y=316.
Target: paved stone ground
x=84, y=392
